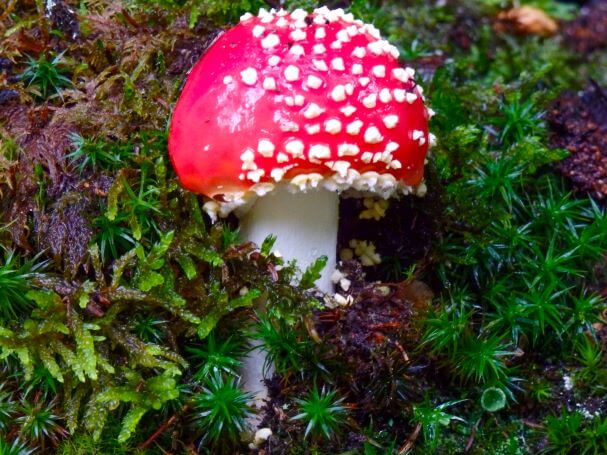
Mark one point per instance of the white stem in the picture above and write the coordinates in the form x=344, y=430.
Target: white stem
x=305, y=225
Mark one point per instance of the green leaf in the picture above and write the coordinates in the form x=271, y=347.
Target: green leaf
x=112, y=197
x=95, y=417
x=84, y=293
x=267, y=245
x=69, y=358
x=210, y=320
x=115, y=395
x=85, y=351
x=313, y=272
x=130, y=422
x=244, y=300
x=44, y=299
x=150, y=280
x=26, y=362
x=144, y=395
x=208, y=255
x=50, y=363
x=155, y=259
x=195, y=13
x=135, y=227
x=72, y=407
x=187, y=265
x=147, y=277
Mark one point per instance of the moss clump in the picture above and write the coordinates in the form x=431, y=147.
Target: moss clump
x=123, y=311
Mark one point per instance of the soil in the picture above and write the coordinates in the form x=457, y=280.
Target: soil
x=588, y=32
x=402, y=238
x=579, y=124
x=371, y=341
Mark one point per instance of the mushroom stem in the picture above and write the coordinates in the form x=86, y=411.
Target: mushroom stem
x=305, y=226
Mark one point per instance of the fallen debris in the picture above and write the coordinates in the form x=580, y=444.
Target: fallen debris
x=526, y=20
x=579, y=125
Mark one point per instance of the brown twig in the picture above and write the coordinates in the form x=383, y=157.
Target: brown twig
x=472, y=436
x=162, y=428
x=537, y=426
x=311, y=328
x=402, y=351
x=408, y=445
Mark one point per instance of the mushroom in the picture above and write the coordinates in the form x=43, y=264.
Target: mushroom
x=284, y=112
x=282, y=104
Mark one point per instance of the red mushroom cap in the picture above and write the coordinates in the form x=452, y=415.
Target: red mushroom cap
x=306, y=99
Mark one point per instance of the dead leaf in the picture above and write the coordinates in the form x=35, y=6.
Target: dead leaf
x=526, y=20
x=417, y=293
x=27, y=43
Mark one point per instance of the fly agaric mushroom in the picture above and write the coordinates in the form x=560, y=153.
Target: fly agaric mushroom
x=285, y=103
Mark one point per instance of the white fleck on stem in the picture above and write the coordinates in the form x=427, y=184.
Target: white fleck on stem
x=305, y=226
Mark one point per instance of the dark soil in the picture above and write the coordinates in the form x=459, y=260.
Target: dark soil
x=579, y=124
x=370, y=343
x=588, y=32
x=402, y=238
x=382, y=320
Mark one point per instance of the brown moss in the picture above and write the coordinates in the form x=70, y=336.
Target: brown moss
x=126, y=68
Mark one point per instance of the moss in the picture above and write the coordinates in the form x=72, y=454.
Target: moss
x=113, y=338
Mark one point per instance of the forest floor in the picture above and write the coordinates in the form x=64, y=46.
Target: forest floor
x=125, y=313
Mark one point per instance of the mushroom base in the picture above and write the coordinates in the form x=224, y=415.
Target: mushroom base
x=305, y=226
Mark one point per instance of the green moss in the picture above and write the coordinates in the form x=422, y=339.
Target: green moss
x=221, y=409
x=322, y=412
x=571, y=431
x=15, y=282
x=432, y=418
x=144, y=320
x=46, y=76
x=161, y=285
